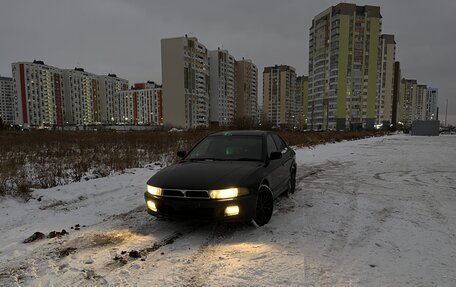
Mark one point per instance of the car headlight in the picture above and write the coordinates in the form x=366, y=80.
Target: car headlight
x=153, y=190
x=227, y=193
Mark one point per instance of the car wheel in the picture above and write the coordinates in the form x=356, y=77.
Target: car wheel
x=264, y=207
x=292, y=182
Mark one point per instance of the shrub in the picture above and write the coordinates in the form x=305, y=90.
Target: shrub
x=43, y=159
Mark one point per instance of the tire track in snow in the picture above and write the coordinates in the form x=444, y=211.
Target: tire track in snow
x=92, y=240
x=318, y=183
x=339, y=240
x=425, y=182
x=335, y=183
x=200, y=264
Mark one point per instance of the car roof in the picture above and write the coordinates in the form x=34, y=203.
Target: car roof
x=241, y=133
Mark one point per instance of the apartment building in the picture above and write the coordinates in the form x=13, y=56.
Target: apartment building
x=343, y=64
x=147, y=85
x=222, y=89
x=302, y=83
x=109, y=109
x=385, y=88
x=246, y=90
x=280, y=96
x=6, y=100
x=38, y=94
x=396, y=104
x=418, y=102
x=82, y=97
x=141, y=105
x=185, y=73
x=419, y=111
x=408, y=100
x=431, y=103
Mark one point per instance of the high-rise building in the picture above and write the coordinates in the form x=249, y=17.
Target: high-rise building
x=302, y=90
x=279, y=96
x=260, y=114
x=222, y=77
x=385, y=89
x=396, y=105
x=147, y=85
x=109, y=104
x=141, y=105
x=418, y=102
x=419, y=111
x=6, y=100
x=408, y=100
x=431, y=103
x=38, y=94
x=343, y=63
x=246, y=90
x=82, y=97
x=185, y=72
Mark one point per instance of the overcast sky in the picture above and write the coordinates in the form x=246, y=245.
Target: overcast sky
x=123, y=36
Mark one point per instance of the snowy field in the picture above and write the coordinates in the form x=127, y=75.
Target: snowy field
x=372, y=212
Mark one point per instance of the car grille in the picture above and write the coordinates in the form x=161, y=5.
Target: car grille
x=185, y=193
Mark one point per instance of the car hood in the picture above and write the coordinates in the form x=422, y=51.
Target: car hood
x=204, y=175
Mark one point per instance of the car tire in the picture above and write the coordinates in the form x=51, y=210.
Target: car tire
x=292, y=182
x=264, y=207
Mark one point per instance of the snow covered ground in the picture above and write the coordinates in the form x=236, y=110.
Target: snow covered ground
x=372, y=212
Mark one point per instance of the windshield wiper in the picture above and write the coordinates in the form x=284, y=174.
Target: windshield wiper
x=207, y=158
x=246, y=159
x=224, y=159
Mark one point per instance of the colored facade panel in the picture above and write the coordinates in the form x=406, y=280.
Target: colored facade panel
x=342, y=66
x=372, y=67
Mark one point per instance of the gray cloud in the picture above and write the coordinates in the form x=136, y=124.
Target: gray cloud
x=123, y=37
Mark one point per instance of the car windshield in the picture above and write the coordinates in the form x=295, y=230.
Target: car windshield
x=228, y=147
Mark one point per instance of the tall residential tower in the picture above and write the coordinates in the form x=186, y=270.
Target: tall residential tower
x=431, y=103
x=280, y=96
x=343, y=64
x=385, y=89
x=6, y=100
x=142, y=105
x=82, y=101
x=185, y=72
x=246, y=90
x=222, y=77
x=38, y=94
x=302, y=91
x=408, y=96
x=109, y=103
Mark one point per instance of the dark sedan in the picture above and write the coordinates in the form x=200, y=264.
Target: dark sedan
x=228, y=176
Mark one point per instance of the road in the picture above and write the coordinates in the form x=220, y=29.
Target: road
x=372, y=212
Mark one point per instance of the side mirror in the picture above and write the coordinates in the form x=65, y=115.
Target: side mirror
x=275, y=155
x=181, y=153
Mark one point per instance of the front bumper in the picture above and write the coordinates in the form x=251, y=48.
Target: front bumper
x=202, y=209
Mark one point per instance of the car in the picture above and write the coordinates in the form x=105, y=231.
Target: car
x=229, y=176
